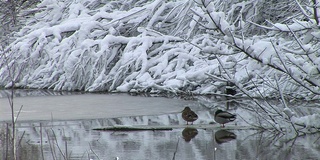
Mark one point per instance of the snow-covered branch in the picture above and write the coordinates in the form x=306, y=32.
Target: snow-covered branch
x=181, y=46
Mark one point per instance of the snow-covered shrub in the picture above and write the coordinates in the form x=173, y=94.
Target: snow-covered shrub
x=13, y=14
x=177, y=46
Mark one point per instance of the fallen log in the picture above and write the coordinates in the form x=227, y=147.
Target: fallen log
x=134, y=128
x=170, y=127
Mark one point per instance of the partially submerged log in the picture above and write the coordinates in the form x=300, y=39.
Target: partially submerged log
x=134, y=128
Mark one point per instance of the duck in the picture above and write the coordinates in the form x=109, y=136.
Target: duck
x=223, y=136
x=189, y=133
x=224, y=117
x=188, y=115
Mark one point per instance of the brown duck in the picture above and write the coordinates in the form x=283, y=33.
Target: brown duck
x=188, y=115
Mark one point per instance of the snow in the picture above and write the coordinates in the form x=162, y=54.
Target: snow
x=174, y=83
x=148, y=46
x=309, y=121
x=161, y=46
x=288, y=112
x=300, y=25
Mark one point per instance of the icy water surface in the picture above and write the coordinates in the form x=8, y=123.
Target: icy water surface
x=77, y=140
x=88, y=106
x=61, y=127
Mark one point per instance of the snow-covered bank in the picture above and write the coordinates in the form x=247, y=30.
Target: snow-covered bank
x=167, y=46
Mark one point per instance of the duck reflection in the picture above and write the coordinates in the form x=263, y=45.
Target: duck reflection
x=223, y=136
x=189, y=133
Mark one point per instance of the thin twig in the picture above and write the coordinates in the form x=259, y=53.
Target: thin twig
x=50, y=144
x=285, y=104
x=287, y=71
x=175, y=152
x=18, y=114
x=93, y=151
x=57, y=144
x=41, y=141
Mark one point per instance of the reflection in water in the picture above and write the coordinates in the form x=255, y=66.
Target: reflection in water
x=76, y=140
x=189, y=133
x=34, y=92
x=223, y=136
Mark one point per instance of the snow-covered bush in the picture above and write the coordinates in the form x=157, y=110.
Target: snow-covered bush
x=182, y=46
x=13, y=14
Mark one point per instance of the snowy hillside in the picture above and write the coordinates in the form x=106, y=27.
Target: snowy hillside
x=182, y=46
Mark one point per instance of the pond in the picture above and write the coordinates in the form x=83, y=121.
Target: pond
x=60, y=125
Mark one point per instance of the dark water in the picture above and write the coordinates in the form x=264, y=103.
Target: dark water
x=73, y=138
